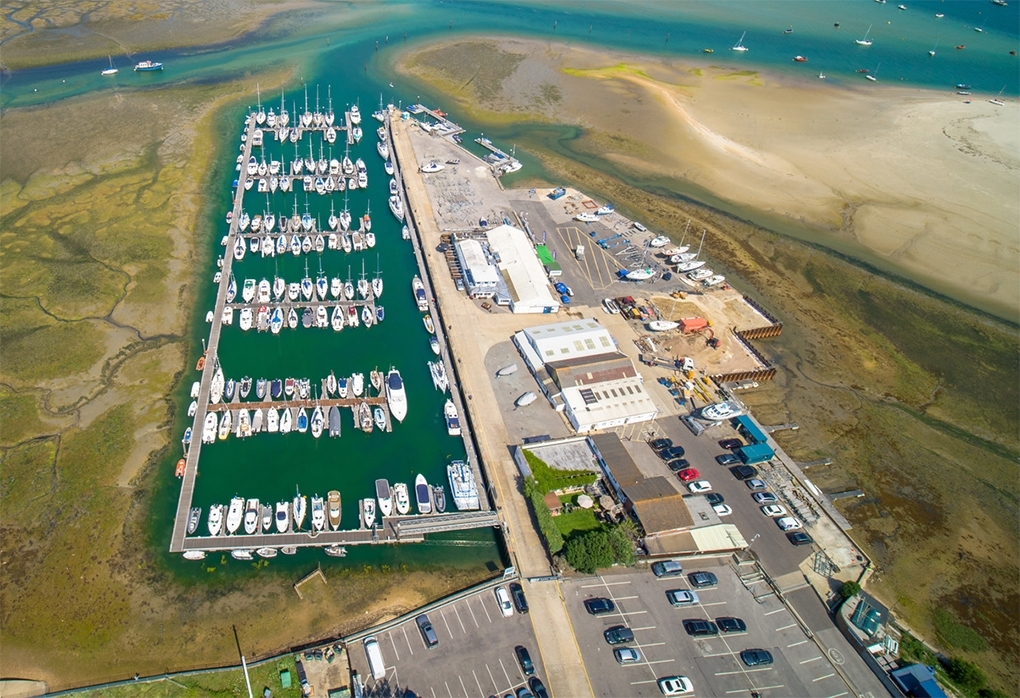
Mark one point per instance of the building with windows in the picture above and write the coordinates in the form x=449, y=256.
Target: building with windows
x=481, y=277
x=582, y=373
x=522, y=272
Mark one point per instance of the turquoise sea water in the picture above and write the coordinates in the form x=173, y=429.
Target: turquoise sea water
x=323, y=47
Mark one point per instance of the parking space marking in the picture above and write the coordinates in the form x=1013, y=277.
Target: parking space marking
x=457, y=613
x=813, y=659
x=778, y=610
x=638, y=683
x=741, y=671
x=797, y=644
x=720, y=654
x=485, y=609
x=630, y=613
x=758, y=688
x=717, y=603
x=787, y=627
x=604, y=584
x=471, y=611
x=508, y=681
x=463, y=687
x=433, y=692
x=645, y=627
x=448, y=689
x=446, y=624
x=492, y=678
x=625, y=598
x=824, y=677
x=839, y=695
x=481, y=691
x=408, y=640
x=393, y=642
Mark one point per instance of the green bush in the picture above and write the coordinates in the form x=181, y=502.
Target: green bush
x=914, y=651
x=589, y=552
x=622, y=545
x=550, y=479
x=546, y=524
x=956, y=634
x=965, y=674
x=849, y=590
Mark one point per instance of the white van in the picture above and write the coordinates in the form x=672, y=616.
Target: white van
x=375, y=660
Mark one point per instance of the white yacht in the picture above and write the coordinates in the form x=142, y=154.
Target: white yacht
x=383, y=494
x=334, y=511
x=401, y=499
x=396, y=398
x=215, y=519
x=235, y=514
x=298, y=509
x=452, y=419
x=462, y=485
x=318, y=513
x=368, y=512
x=721, y=411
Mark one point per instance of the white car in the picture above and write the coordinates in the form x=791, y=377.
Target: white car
x=774, y=510
x=699, y=486
x=722, y=509
x=789, y=523
x=675, y=685
x=503, y=599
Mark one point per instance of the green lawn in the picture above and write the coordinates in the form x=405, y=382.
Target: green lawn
x=579, y=520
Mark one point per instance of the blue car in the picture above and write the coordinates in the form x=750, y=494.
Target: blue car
x=565, y=299
x=560, y=287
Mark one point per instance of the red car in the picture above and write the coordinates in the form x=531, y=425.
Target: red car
x=688, y=475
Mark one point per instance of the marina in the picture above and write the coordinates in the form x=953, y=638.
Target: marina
x=227, y=411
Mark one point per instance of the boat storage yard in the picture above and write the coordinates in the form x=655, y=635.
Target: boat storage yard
x=283, y=405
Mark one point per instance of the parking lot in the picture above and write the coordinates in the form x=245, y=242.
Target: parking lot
x=712, y=664
x=473, y=659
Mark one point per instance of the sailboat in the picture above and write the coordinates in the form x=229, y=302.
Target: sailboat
x=377, y=284
x=111, y=70
x=871, y=76
x=865, y=41
x=932, y=52
x=997, y=100
x=695, y=263
x=740, y=44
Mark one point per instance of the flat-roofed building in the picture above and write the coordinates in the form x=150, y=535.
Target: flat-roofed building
x=522, y=272
x=480, y=276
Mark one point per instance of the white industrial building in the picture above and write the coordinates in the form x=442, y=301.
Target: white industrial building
x=480, y=276
x=582, y=373
x=523, y=273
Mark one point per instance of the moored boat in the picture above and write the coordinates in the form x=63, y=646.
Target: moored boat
x=215, y=522
x=243, y=555
x=282, y=516
x=333, y=511
x=335, y=551
x=193, y=518
x=252, y=511
x=298, y=508
x=235, y=515
x=368, y=512
x=422, y=494
x=396, y=397
x=452, y=419
x=439, y=497
x=147, y=66
x=383, y=494
x=193, y=554
x=721, y=411
x=401, y=500
x=318, y=513
x=462, y=485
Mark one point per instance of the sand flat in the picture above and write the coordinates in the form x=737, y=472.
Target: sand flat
x=913, y=179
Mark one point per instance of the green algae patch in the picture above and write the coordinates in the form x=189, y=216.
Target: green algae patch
x=49, y=352
x=27, y=484
x=618, y=70
x=19, y=417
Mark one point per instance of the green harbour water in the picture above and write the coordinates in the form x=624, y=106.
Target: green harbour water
x=323, y=47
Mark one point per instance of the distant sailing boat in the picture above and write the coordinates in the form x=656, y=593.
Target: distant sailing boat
x=997, y=101
x=932, y=52
x=871, y=76
x=111, y=70
x=865, y=41
x=740, y=44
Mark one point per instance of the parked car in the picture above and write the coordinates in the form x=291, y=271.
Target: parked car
x=667, y=568
x=699, y=486
x=696, y=627
x=626, y=655
x=688, y=474
x=428, y=634
x=744, y=472
x=755, y=484
x=774, y=510
x=756, y=657
x=682, y=597
x=565, y=299
x=503, y=599
x=702, y=580
x=727, y=459
x=678, y=464
x=730, y=625
x=765, y=497
x=599, y=606
x=714, y=498
x=789, y=523
x=659, y=444
x=671, y=453
x=524, y=659
x=537, y=687
x=618, y=634
x=799, y=538
x=730, y=444
x=560, y=287
x=675, y=685
x=722, y=509
x=517, y=594
x=523, y=692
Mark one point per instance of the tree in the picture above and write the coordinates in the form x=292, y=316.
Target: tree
x=546, y=525
x=590, y=551
x=849, y=590
x=622, y=545
x=965, y=674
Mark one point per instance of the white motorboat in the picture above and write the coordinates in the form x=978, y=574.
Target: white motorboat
x=401, y=499
x=257, y=421
x=334, y=421
x=383, y=494
x=225, y=424
x=721, y=411
x=662, y=325
x=267, y=517
x=434, y=345
x=422, y=494
x=368, y=512
x=586, y=217
x=252, y=511
x=452, y=419
x=235, y=515
x=358, y=384
x=640, y=274
x=243, y=555
x=714, y=280
x=419, y=294
x=397, y=207
x=318, y=513
x=396, y=397
x=462, y=485
x=248, y=290
x=282, y=516
x=209, y=432
x=272, y=420
x=286, y=420
x=333, y=511
x=438, y=371
x=341, y=386
x=433, y=166
x=215, y=522
x=658, y=241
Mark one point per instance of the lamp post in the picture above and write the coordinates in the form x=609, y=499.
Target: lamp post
x=753, y=539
